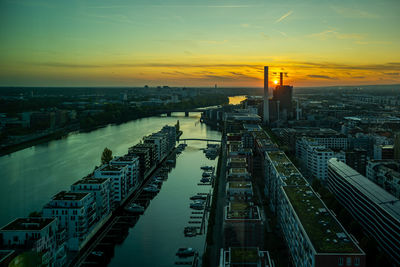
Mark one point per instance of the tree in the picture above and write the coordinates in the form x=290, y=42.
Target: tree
x=106, y=156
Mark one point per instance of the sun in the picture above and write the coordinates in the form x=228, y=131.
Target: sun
x=275, y=82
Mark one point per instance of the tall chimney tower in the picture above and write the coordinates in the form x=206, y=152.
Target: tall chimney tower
x=281, y=79
x=266, y=96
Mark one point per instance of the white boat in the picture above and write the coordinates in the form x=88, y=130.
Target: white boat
x=197, y=205
x=151, y=189
x=157, y=182
x=134, y=208
x=185, y=252
x=97, y=253
x=206, y=168
x=198, y=197
x=205, y=180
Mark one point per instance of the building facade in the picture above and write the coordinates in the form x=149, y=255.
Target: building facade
x=374, y=208
x=76, y=213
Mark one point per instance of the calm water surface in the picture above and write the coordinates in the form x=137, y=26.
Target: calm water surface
x=30, y=177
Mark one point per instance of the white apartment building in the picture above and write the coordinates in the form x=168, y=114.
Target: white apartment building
x=119, y=180
x=101, y=190
x=38, y=234
x=314, y=157
x=76, y=212
x=132, y=173
x=171, y=136
x=160, y=141
x=338, y=142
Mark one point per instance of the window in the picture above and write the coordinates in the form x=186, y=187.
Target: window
x=357, y=261
x=348, y=261
x=340, y=263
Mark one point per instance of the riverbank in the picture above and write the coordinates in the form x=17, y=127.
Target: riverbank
x=62, y=133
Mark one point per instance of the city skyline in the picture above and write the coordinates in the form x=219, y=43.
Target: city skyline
x=177, y=43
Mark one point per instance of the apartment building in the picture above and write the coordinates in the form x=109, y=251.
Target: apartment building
x=119, y=180
x=37, y=234
x=132, y=174
x=101, y=190
x=76, y=212
x=374, y=208
x=313, y=234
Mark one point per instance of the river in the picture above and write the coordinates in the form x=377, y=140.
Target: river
x=30, y=177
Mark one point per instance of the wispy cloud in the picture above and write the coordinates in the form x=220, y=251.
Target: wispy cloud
x=282, y=33
x=321, y=77
x=354, y=13
x=284, y=17
x=391, y=67
x=334, y=33
x=68, y=65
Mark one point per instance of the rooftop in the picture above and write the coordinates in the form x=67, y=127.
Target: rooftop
x=326, y=234
x=372, y=191
x=237, y=159
x=238, y=170
x=110, y=168
x=252, y=127
x=240, y=185
x=28, y=224
x=242, y=211
x=89, y=180
x=124, y=158
x=64, y=195
x=286, y=169
x=244, y=255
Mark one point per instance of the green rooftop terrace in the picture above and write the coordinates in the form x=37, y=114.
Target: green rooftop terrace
x=241, y=185
x=324, y=231
x=286, y=168
x=238, y=171
x=244, y=255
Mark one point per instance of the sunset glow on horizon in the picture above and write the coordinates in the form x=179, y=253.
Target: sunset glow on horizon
x=202, y=43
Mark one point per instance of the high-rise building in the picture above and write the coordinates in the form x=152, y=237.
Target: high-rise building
x=266, y=97
x=283, y=95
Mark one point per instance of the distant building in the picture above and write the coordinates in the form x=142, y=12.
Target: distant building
x=385, y=173
x=383, y=152
x=375, y=209
x=42, y=120
x=357, y=159
x=314, y=157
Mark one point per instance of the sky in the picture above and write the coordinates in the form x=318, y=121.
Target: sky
x=198, y=43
